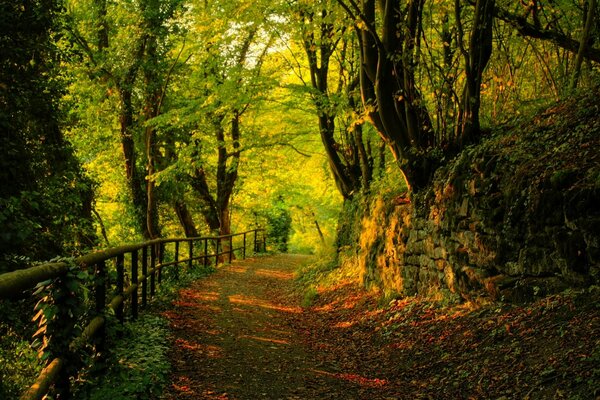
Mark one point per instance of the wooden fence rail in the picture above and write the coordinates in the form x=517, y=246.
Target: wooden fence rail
x=135, y=284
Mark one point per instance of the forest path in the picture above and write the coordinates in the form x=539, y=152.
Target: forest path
x=240, y=333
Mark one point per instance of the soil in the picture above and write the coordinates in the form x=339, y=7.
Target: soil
x=241, y=333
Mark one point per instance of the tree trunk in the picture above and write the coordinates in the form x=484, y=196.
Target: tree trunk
x=151, y=110
x=185, y=219
x=476, y=59
x=394, y=104
x=135, y=182
x=208, y=203
x=583, y=43
x=318, y=227
x=319, y=45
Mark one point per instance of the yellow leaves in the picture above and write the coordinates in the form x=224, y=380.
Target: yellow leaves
x=40, y=316
x=40, y=331
x=360, y=24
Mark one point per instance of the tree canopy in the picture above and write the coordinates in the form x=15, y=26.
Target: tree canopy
x=153, y=118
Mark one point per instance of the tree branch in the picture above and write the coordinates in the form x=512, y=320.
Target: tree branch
x=559, y=39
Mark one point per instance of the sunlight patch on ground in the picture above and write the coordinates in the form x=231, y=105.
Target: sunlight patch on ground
x=344, y=324
x=354, y=378
x=237, y=268
x=183, y=385
x=252, y=301
x=264, y=339
x=181, y=303
x=275, y=331
x=196, y=295
x=209, y=307
x=275, y=274
x=210, y=351
x=343, y=304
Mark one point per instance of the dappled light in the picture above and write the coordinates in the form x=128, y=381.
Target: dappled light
x=210, y=351
x=255, y=302
x=344, y=324
x=297, y=200
x=264, y=339
x=354, y=378
x=274, y=274
x=238, y=269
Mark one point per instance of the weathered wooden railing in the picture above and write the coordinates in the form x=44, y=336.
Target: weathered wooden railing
x=152, y=263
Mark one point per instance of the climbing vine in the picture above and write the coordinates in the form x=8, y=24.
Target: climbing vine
x=60, y=312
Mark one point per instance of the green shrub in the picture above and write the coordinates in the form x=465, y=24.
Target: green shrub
x=136, y=368
x=18, y=361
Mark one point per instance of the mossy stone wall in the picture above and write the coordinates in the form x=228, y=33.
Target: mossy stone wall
x=515, y=217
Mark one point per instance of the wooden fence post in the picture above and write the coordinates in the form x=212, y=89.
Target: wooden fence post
x=145, y=274
x=120, y=264
x=177, y=260
x=161, y=257
x=152, y=269
x=191, y=253
x=134, y=281
x=230, y=249
x=100, y=294
x=255, y=242
x=264, y=235
x=205, y=252
x=244, y=248
x=217, y=240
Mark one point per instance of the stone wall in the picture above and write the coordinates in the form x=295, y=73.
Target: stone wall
x=514, y=218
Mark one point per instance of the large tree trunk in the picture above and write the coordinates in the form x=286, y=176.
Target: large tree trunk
x=134, y=177
x=207, y=202
x=396, y=107
x=389, y=36
x=151, y=110
x=215, y=208
x=476, y=59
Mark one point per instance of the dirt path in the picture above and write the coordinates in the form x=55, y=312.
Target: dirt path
x=241, y=334
x=238, y=334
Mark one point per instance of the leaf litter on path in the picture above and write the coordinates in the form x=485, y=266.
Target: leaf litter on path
x=241, y=334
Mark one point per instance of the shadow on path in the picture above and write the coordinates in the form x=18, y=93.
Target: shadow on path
x=237, y=334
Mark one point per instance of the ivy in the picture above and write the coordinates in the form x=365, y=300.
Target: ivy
x=60, y=313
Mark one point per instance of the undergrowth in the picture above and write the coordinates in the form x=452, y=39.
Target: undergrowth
x=137, y=364
x=19, y=365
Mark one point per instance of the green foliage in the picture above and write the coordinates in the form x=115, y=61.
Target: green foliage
x=60, y=314
x=20, y=364
x=43, y=193
x=137, y=366
x=348, y=230
x=279, y=225
x=314, y=273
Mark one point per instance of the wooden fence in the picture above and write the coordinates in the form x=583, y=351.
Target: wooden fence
x=138, y=272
